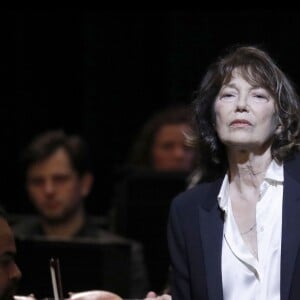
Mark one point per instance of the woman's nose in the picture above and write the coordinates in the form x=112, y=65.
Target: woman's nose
x=242, y=103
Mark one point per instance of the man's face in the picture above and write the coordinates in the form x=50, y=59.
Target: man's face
x=10, y=274
x=55, y=188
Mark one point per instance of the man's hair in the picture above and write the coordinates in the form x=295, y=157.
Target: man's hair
x=46, y=144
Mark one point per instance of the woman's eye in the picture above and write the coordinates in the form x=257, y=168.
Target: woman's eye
x=260, y=98
x=227, y=97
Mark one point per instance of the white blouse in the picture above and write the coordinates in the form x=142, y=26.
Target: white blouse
x=245, y=277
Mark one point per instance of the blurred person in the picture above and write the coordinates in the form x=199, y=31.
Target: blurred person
x=10, y=274
x=161, y=157
x=162, y=143
x=162, y=146
x=236, y=234
x=58, y=178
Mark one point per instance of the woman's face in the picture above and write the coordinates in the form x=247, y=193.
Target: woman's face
x=170, y=151
x=245, y=116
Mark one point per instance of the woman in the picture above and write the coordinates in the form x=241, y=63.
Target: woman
x=236, y=235
x=162, y=143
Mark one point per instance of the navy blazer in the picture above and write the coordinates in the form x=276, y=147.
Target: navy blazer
x=195, y=232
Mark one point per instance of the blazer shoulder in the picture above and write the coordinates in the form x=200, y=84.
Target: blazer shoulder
x=292, y=166
x=203, y=193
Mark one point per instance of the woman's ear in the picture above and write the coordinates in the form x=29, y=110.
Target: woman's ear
x=278, y=129
x=279, y=126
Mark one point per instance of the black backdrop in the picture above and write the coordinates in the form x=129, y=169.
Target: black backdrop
x=102, y=73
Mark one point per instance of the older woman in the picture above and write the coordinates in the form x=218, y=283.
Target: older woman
x=236, y=236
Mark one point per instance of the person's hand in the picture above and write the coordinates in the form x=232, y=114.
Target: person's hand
x=94, y=295
x=29, y=297
x=152, y=295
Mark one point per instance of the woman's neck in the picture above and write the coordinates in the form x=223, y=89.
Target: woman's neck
x=247, y=170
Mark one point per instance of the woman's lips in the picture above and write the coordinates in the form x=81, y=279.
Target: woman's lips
x=240, y=123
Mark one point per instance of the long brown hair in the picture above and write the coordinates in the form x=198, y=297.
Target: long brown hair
x=259, y=69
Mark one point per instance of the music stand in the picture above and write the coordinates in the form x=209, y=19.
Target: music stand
x=142, y=213
x=85, y=265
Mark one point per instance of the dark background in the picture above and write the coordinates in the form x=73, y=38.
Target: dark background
x=101, y=74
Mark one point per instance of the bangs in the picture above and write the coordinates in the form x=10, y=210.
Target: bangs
x=255, y=75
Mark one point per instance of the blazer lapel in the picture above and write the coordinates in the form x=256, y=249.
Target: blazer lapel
x=211, y=229
x=290, y=225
